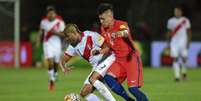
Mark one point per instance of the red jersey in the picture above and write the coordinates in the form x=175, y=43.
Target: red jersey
x=120, y=47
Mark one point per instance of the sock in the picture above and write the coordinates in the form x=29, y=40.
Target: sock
x=51, y=74
x=140, y=96
x=176, y=69
x=102, y=89
x=183, y=68
x=92, y=97
x=116, y=86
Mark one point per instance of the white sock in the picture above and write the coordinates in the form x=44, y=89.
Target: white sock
x=102, y=89
x=51, y=74
x=92, y=97
x=183, y=68
x=176, y=69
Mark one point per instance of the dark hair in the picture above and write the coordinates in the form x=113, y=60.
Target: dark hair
x=104, y=7
x=179, y=7
x=50, y=8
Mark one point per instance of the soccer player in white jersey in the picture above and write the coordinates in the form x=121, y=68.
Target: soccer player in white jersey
x=179, y=29
x=87, y=44
x=51, y=27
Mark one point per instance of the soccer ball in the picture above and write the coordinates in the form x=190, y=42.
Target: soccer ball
x=72, y=97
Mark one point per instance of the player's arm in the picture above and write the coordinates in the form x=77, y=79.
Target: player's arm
x=104, y=50
x=189, y=33
x=60, y=30
x=168, y=36
x=123, y=31
x=63, y=62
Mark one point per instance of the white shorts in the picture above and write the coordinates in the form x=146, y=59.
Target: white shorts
x=102, y=67
x=51, y=52
x=177, y=50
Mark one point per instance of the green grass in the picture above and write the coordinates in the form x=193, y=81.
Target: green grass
x=31, y=85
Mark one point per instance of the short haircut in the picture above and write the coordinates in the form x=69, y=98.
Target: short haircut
x=71, y=28
x=104, y=7
x=50, y=8
x=179, y=7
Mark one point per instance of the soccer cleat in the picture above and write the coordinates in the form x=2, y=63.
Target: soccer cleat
x=177, y=80
x=51, y=86
x=184, y=77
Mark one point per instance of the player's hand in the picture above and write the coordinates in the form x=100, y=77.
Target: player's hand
x=67, y=70
x=95, y=52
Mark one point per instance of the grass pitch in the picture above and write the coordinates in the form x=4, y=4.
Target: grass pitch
x=31, y=85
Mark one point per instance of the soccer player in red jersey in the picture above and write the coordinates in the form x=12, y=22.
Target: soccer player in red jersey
x=128, y=64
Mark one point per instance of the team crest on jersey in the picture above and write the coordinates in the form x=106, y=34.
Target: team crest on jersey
x=100, y=40
x=123, y=27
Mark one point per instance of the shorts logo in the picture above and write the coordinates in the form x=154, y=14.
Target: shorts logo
x=102, y=67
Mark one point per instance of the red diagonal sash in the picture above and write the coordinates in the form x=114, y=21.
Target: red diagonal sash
x=178, y=27
x=49, y=33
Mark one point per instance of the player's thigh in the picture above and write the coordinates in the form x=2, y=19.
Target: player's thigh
x=134, y=71
x=117, y=71
x=102, y=67
x=174, y=51
x=57, y=55
x=184, y=51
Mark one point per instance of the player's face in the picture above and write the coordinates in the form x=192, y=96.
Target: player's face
x=177, y=12
x=72, y=38
x=106, y=18
x=51, y=15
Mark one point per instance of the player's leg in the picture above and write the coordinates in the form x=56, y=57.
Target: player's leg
x=102, y=89
x=184, y=54
x=110, y=78
x=174, y=52
x=49, y=56
x=135, y=77
x=51, y=74
x=56, y=62
x=99, y=73
x=86, y=93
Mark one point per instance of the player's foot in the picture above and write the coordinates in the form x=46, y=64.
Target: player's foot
x=184, y=77
x=56, y=76
x=51, y=85
x=130, y=99
x=177, y=80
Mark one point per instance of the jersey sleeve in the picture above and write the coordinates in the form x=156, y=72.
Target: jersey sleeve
x=70, y=51
x=188, y=24
x=41, y=25
x=62, y=26
x=169, y=24
x=97, y=39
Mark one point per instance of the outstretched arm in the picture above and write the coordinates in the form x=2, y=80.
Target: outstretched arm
x=62, y=63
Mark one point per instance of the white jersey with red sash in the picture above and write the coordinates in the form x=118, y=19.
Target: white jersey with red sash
x=179, y=28
x=90, y=41
x=52, y=43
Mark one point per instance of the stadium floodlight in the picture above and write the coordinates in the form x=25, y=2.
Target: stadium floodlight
x=16, y=17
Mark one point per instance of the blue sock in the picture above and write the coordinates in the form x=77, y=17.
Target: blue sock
x=140, y=96
x=116, y=86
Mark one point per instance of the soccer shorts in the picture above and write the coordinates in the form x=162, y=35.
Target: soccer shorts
x=179, y=49
x=52, y=52
x=102, y=67
x=132, y=70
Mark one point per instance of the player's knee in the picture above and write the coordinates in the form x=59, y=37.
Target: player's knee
x=86, y=90
x=95, y=76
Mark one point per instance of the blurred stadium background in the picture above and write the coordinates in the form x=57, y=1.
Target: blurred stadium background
x=147, y=19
